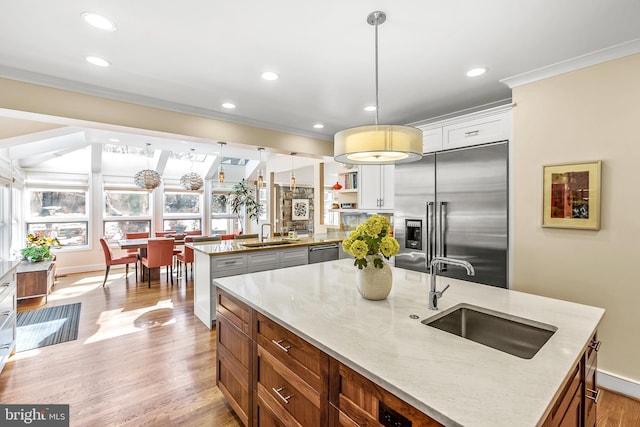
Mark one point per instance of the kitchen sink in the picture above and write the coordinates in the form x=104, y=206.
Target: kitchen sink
x=266, y=244
x=510, y=334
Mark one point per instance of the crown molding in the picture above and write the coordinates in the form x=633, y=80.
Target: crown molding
x=116, y=95
x=630, y=47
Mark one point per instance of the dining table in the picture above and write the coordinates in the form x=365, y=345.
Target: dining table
x=141, y=246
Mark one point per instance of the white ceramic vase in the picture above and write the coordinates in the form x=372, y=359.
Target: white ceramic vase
x=374, y=283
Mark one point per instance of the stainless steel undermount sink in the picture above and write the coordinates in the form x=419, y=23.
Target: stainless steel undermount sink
x=514, y=335
x=266, y=244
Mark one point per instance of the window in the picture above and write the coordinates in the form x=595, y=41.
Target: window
x=182, y=211
x=222, y=219
x=57, y=204
x=124, y=210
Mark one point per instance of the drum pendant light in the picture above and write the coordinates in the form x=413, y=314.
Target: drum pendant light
x=191, y=181
x=147, y=178
x=378, y=144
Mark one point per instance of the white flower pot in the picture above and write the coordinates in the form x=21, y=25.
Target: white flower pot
x=374, y=283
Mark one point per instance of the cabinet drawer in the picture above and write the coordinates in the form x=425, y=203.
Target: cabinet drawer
x=369, y=404
x=294, y=256
x=262, y=261
x=478, y=131
x=266, y=417
x=7, y=338
x=233, y=367
x=7, y=308
x=229, y=262
x=285, y=393
x=239, y=314
x=7, y=284
x=566, y=397
x=305, y=360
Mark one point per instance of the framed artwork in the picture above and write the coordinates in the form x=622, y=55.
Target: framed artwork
x=571, y=196
x=300, y=209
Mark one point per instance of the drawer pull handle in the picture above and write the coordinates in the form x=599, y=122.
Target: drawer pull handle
x=5, y=346
x=595, y=345
x=594, y=398
x=284, y=348
x=472, y=133
x=6, y=313
x=277, y=391
x=5, y=285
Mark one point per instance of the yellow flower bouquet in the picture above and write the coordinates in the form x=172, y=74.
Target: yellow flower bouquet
x=39, y=247
x=372, y=237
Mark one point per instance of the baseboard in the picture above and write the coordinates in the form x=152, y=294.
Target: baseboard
x=84, y=269
x=618, y=384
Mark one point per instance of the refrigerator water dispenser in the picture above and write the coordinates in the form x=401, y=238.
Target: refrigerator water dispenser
x=413, y=230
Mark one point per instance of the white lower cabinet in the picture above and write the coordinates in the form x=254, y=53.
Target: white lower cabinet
x=210, y=267
x=7, y=313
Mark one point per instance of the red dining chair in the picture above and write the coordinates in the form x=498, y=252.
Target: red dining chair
x=165, y=233
x=135, y=251
x=159, y=254
x=193, y=233
x=228, y=236
x=110, y=260
x=186, y=257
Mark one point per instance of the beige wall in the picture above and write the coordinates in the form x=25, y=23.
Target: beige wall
x=589, y=114
x=72, y=108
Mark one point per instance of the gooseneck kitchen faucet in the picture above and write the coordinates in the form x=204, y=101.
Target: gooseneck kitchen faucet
x=435, y=295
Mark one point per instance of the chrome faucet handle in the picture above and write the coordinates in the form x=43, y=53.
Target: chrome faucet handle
x=439, y=293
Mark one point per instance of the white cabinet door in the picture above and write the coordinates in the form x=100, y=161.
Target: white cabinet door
x=432, y=140
x=376, y=187
x=478, y=131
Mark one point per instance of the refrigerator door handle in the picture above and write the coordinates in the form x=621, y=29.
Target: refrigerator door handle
x=429, y=235
x=442, y=224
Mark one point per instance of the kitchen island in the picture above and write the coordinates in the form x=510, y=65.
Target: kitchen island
x=452, y=380
x=232, y=257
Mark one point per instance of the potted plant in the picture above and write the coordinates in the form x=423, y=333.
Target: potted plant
x=370, y=243
x=243, y=200
x=39, y=247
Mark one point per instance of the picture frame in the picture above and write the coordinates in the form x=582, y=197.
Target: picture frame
x=300, y=209
x=571, y=195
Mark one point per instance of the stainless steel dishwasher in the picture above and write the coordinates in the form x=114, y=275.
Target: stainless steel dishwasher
x=324, y=252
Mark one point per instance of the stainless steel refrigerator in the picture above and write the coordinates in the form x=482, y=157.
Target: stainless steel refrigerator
x=455, y=204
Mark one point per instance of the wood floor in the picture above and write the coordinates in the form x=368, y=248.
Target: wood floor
x=143, y=359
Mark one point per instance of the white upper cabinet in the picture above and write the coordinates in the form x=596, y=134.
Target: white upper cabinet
x=376, y=190
x=472, y=129
x=432, y=140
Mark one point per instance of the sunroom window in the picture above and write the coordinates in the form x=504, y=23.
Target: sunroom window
x=58, y=206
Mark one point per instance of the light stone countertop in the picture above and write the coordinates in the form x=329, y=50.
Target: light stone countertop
x=455, y=381
x=228, y=247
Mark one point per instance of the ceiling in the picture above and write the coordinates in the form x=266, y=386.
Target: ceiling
x=194, y=55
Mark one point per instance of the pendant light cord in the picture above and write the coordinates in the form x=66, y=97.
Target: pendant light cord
x=376, y=60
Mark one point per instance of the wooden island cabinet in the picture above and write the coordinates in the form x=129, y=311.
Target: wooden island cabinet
x=272, y=377
x=314, y=353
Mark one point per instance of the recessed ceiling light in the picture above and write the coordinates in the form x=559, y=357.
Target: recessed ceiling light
x=98, y=61
x=228, y=105
x=114, y=140
x=370, y=108
x=98, y=21
x=318, y=126
x=475, y=72
x=270, y=75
